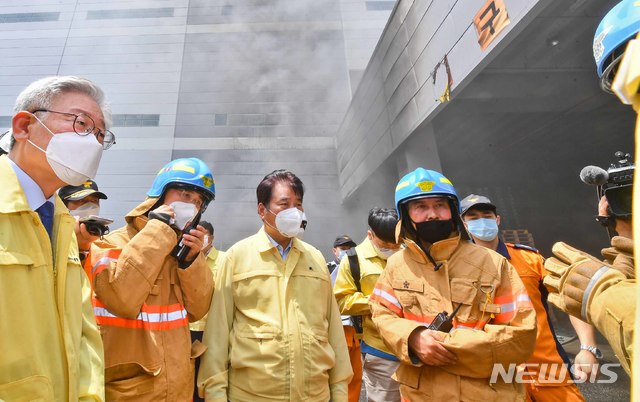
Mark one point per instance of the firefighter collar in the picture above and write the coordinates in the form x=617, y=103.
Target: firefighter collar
x=440, y=251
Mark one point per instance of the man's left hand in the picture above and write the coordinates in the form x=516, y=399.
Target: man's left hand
x=584, y=365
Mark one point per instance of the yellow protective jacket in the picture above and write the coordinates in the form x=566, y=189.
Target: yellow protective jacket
x=274, y=331
x=352, y=302
x=50, y=347
x=214, y=259
x=495, y=325
x=613, y=311
x=143, y=305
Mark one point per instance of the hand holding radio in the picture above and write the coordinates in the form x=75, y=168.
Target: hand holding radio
x=89, y=229
x=191, y=241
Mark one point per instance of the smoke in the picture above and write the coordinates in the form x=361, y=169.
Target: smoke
x=277, y=72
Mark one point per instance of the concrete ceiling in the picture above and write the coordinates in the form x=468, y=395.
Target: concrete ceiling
x=527, y=124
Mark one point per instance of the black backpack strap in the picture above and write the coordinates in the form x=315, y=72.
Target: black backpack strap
x=354, y=265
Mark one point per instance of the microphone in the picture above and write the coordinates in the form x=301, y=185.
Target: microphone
x=594, y=176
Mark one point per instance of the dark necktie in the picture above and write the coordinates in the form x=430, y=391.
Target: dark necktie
x=46, y=216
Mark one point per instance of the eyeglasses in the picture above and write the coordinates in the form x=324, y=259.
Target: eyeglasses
x=84, y=125
x=192, y=197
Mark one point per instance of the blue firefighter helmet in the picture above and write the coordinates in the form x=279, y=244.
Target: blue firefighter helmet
x=617, y=27
x=190, y=173
x=423, y=183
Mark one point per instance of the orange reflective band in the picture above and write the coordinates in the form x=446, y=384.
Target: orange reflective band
x=154, y=318
x=510, y=304
x=101, y=260
x=425, y=319
x=386, y=296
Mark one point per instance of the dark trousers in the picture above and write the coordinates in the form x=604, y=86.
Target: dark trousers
x=196, y=335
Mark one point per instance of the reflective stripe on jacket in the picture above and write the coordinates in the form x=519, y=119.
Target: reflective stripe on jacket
x=351, y=301
x=274, y=331
x=496, y=323
x=143, y=305
x=50, y=347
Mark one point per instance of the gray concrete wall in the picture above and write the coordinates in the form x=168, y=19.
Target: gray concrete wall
x=397, y=93
x=249, y=86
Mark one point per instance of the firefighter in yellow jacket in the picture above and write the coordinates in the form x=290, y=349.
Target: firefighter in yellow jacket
x=147, y=290
x=352, y=294
x=274, y=331
x=50, y=347
x=605, y=294
x=440, y=270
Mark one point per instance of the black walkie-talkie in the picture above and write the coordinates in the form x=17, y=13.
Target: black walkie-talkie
x=181, y=250
x=444, y=322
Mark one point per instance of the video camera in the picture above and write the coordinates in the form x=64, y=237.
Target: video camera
x=616, y=183
x=619, y=186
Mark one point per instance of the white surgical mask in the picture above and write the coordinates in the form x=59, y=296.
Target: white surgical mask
x=484, y=229
x=74, y=158
x=384, y=253
x=184, y=213
x=291, y=222
x=205, y=242
x=87, y=209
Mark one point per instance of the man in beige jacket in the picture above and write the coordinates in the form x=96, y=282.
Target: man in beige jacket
x=274, y=331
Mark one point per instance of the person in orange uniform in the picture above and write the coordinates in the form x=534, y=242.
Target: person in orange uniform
x=481, y=219
x=340, y=246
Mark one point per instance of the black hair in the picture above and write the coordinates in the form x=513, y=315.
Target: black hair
x=207, y=226
x=382, y=222
x=265, y=188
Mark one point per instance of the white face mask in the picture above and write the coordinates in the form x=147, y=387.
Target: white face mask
x=384, y=253
x=184, y=213
x=74, y=158
x=88, y=209
x=291, y=222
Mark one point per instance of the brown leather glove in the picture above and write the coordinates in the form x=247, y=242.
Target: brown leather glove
x=620, y=256
x=576, y=278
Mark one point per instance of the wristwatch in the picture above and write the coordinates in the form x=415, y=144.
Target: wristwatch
x=596, y=352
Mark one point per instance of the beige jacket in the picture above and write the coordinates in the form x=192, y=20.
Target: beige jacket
x=274, y=331
x=214, y=259
x=495, y=325
x=50, y=347
x=143, y=305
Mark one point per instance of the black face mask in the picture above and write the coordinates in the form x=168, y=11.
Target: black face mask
x=433, y=231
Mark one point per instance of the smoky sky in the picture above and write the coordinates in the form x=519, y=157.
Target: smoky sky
x=275, y=71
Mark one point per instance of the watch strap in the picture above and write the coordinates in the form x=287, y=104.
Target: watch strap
x=596, y=352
